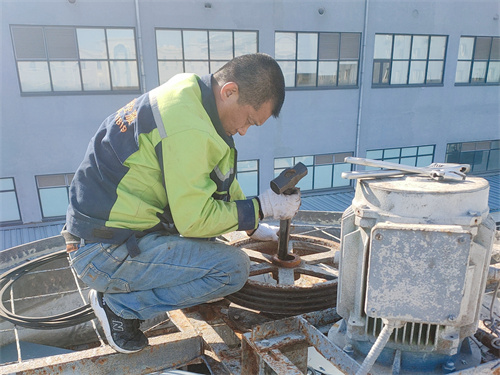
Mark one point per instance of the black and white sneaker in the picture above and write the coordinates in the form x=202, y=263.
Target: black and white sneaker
x=123, y=335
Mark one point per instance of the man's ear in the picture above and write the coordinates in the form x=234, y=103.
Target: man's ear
x=229, y=91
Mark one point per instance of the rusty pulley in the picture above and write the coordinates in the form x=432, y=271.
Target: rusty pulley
x=305, y=281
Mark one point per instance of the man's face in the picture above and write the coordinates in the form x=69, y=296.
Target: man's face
x=236, y=117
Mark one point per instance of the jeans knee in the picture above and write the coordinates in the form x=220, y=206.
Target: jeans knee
x=241, y=264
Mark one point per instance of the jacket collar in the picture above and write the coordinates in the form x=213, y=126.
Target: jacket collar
x=208, y=101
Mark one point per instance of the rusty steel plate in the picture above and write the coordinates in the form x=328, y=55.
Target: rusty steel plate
x=287, y=291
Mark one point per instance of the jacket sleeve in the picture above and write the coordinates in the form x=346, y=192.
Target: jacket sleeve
x=189, y=158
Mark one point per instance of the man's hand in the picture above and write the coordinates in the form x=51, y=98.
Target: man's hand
x=279, y=206
x=265, y=232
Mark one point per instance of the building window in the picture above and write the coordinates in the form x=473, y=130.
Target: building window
x=56, y=59
x=200, y=51
x=325, y=60
x=482, y=156
x=53, y=191
x=478, y=60
x=324, y=171
x=408, y=59
x=415, y=156
x=248, y=177
x=8, y=201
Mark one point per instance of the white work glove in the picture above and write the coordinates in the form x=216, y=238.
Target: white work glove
x=265, y=232
x=279, y=206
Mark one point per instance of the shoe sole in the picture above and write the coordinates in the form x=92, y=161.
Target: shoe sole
x=103, y=320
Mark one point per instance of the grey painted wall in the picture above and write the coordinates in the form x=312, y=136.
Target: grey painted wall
x=49, y=134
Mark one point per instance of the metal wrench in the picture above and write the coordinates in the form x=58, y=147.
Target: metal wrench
x=437, y=171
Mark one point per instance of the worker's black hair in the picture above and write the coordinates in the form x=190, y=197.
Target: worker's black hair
x=259, y=79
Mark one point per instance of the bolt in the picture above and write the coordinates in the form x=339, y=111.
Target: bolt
x=452, y=318
x=348, y=349
x=378, y=236
x=373, y=311
x=461, y=240
x=265, y=343
x=236, y=317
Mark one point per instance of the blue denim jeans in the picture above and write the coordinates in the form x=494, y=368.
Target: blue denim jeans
x=171, y=272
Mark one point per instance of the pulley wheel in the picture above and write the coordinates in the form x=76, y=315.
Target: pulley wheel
x=289, y=287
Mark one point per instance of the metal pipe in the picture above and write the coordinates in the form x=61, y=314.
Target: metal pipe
x=139, y=43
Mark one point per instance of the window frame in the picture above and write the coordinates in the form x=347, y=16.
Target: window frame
x=15, y=221
x=400, y=156
x=311, y=167
x=472, y=60
x=409, y=61
x=317, y=60
x=465, y=153
x=183, y=60
x=78, y=59
x=67, y=180
x=238, y=172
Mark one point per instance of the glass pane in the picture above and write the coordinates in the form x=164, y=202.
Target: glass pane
x=482, y=49
x=467, y=158
x=478, y=71
x=306, y=182
x=10, y=210
x=65, y=76
x=124, y=75
x=283, y=163
x=284, y=45
x=485, y=145
x=91, y=43
x=463, y=72
x=402, y=44
x=435, y=72
x=288, y=69
x=426, y=150
x=349, y=46
x=245, y=43
x=399, y=73
x=168, y=69
x=495, y=49
x=417, y=72
x=376, y=72
x=420, y=47
x=348, y=73
x=34, y=76
x=323, y=159
x=383, y=46
x=327, y=74
x=221, y=45
x=61, y=43
x=307, y=46
x=480, y=161
x=196, y=45
x=424, y=161
x=306, y=160
x=247, y=165
x=438, y=47
x=392, y=153
x=465, y=48
x=249, y=183
x=468, y=146
x=340, y=157
x=54, y=201
x=411, y=161
x=197, y=67
x=453, y=157
x=6, y=184
x=169, y=44
x=323, y=176
x=495, y=144
x=121, y=44
x=494, y=160
x=493, y=72
x=306, y=73
x=29, y=42
x=216, y=65
x=408, y=151
x=329, y=46
x=95, y=75
x=374, y=154
x=338, y=169
x=51, y=180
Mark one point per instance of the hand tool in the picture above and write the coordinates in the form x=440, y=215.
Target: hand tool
x=285, y=184
x=436, y=171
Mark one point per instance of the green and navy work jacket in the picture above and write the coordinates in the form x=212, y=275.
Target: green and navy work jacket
x=162, y=161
